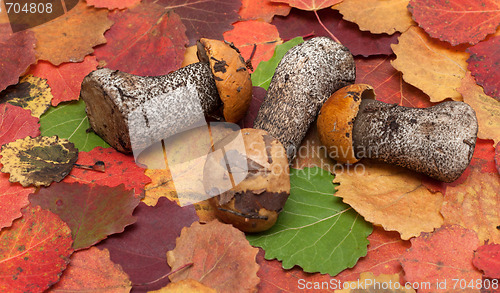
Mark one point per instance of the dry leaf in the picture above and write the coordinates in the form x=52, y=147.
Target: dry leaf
x=431, y=65
x=31, y=93
x=187, y=285
x=17, y=53
x=262, y=9
x=309, y=4
x=369, y=283
x=113, y=4
x=474, y=204
x=221, y=255
x=377, y=16
x=72, y=36
x=487, y=109
x=391, y=196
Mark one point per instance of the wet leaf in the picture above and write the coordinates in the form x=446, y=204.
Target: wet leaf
x=304, y=23
x=265, y=71
x=141, y=250
x=247, y=34
x=33, y=251
x=119, y=169
x=487, y=259
x=203, y=19
x=443, y=255
x=144, y=40
x=483, y=63
x=430, y=65
x=113, y=4
x=370, y=283
x=70, y=121
x=313, y=222
x=377, y=16
x=17, y=54
x=72, y=36
x=392, y=197
x=38, y=161
x=388, y=83
x=92, y=269
x=91, y=211
x=222, y=258
x=31, y=93
x=457, y=22
x=64, y=80
x=262, y=9
x=474, y=204
x=309, y=4
x=487, y=109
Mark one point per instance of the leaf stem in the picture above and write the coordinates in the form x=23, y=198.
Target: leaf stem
x=325, y=28
x=166, y=275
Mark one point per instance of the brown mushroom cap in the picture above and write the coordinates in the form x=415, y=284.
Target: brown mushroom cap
x=336, y=120
x=254, y=203
x=231, y=78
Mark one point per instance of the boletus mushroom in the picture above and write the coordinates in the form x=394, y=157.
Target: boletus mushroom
x=118, y=103
x=254, y=203
x=438, y=141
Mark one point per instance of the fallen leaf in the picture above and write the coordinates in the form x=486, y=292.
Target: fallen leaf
x=247, y=34
x=388, y=83
x=13, y=198
x=430, y=65
x=203, y=18
x=16, y=123
x=38, y=161
x=145, y=40
x=18, y=53
x=370, y=283
x=474, y=205
x=482, y=159
x=92, y=270
x=487, y=259
x=31, y=93
x=141, y=250
x=222, y=258
x=304, y=23
x=70, y=121
x=310, y=5
x=73, y=35
x=497, y=157
x=262, y=9
x=264, y=72
x=315, y=230
x=467, y=21
x=483, y=63
x=113, y=4
x=392, y=197
x=187, y=285
x=33, y=251
x=440, y=258
x=258, y=95
x=91, y=211
x=377, y=16
x=119, y=169
x=64, y=80
x=487, y=109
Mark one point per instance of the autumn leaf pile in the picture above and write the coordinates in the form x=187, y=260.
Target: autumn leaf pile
x=78, y=216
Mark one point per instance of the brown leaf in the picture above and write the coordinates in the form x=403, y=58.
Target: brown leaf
x=474, y=204
x=377, y=16
x=431, y=65
x=487, y=109
x=71, y=37
x=391, y=196
x=221, y=255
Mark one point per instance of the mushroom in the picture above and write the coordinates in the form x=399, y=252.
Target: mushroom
x=307, y=75
x=438, y=141
x=133, y=112
x=258, y=174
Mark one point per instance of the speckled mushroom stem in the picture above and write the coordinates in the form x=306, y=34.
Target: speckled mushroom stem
x=306, y=76
x=438, y=141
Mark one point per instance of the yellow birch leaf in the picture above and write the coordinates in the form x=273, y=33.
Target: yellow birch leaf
x=31, y=93
x=377, y=16
x=430, y=65
x=392, y=197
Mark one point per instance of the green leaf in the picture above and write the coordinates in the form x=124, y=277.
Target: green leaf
x=315, y=230
x=264, y=73
x=69, y=120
